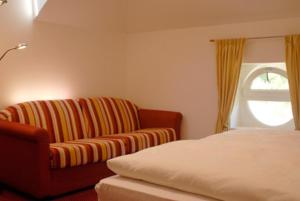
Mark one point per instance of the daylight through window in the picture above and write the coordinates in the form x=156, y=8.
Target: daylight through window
x=263, y=99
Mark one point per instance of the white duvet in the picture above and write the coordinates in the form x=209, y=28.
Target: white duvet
x=252, y=166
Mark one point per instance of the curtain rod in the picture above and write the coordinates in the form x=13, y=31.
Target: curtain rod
x=252, y=38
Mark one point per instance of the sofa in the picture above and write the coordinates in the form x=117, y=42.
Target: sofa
x=48, y=148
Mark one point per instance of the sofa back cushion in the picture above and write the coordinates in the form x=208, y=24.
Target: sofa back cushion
x=63, y=119
x=107, y=115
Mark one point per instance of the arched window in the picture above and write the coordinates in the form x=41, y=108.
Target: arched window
x=37, y=6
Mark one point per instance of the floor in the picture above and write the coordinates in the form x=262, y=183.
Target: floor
x=84, y=195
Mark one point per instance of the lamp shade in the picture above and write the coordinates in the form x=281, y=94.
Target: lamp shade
x=21, y=46
x=18, y=47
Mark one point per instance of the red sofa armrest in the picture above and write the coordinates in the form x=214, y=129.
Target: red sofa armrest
x=24, y=158
x=160, y=119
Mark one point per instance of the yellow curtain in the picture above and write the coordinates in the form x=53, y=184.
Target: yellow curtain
x=229, y=60
x=292, y=51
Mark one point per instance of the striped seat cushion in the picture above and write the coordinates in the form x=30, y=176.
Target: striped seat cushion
x=144, y=138
x=63, y=119
x=85, y=151
x=107, y=116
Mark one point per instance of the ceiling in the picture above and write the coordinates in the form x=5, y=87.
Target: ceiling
x=94, y=15
x=151, y=15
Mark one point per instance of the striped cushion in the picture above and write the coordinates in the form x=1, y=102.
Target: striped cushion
x=145, y=138
x=107, y=116
x=62, y=118
x=3, y=116
x=84, y=151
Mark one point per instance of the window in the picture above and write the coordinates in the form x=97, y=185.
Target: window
x=263, y=98
x=37, y=6
x=269, y=80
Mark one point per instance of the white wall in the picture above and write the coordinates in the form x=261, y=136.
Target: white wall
x=61, y=61
x=171, y=70
x=175, y=69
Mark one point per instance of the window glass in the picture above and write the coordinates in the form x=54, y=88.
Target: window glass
x=271, y=113
x=271, y=81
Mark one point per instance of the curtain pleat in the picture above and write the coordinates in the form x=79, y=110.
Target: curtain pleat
x=292, y=51
x=229, y=60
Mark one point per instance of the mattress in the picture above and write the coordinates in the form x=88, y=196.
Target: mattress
x=247, y=165
x=117, y=188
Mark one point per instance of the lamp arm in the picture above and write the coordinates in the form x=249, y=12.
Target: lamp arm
x=3, y=55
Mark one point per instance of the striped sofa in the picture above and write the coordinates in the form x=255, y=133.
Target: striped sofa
x=51, y=147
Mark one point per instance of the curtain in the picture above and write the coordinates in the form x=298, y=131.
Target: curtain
x=292, y=51
x=229, y=60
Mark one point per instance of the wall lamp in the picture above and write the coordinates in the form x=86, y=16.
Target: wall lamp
x=3, y=2
x=18, y=47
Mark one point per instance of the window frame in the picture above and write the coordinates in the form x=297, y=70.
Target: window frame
x=280, y=95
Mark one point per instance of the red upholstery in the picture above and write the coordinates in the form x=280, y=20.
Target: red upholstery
x=24, y=154
x=144, y=138
x=160, y=119
x=93, y=150
x=69, y=179
x=109, y=115
x=25, y=151
x=63, y=119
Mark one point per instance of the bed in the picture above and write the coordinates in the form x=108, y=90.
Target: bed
x=118, y=188
x=240, y=165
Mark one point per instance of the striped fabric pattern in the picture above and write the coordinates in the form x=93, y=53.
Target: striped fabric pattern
x=85, y=151
x=145, y=138
x=4, y=116
x=63, y=119
x=106, y=116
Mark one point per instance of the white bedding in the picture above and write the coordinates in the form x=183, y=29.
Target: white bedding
x=252, y=166
x=117, y=188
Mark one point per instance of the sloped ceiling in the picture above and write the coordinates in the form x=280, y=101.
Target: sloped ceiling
x=86, y=14
x=150, y=15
